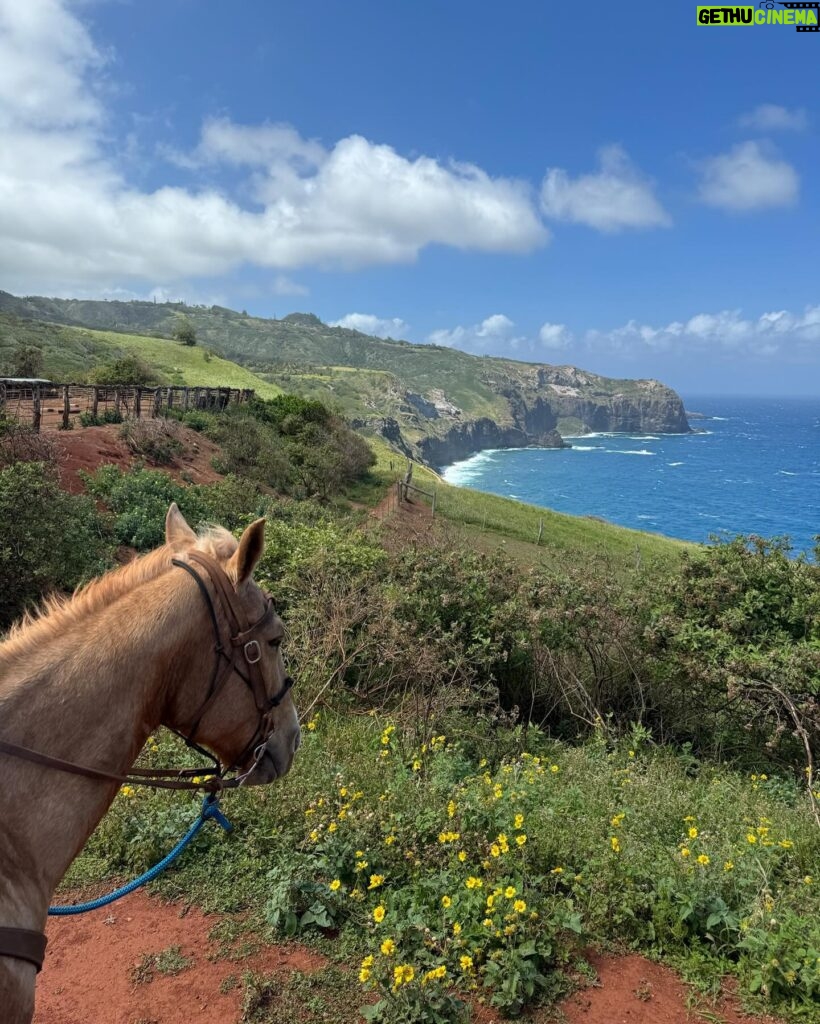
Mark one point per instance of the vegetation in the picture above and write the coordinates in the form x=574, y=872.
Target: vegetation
x=26, y=361
x=129, y=369
x=185, y=332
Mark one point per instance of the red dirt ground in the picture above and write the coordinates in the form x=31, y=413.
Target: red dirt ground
x=88, y=448
x=88, y=976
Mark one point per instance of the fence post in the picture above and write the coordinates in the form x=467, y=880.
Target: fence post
x=118, y=401
x=185, y=394
x=66, y=408
x=540, y=531
x=157, y=400
x=433, y=510
x=95, y=402
x=36, y=410
x=138, y=401
x=170, y=398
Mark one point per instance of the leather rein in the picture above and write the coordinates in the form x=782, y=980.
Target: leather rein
x=24, y=944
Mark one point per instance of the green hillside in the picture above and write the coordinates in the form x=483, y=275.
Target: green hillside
x=70, y=352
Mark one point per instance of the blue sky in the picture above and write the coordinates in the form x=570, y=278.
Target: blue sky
x=605, y=185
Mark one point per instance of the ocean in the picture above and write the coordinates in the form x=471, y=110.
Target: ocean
x=752, y=467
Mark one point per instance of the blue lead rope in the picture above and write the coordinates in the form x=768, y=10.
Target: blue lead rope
x=210, y=809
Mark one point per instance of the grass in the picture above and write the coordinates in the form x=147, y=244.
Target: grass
x=70, y=352
x=624, y=843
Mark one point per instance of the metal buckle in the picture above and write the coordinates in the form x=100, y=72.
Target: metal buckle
x=252, y=647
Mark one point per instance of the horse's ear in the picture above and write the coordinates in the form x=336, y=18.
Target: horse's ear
x=177, y=531
x=251, y=546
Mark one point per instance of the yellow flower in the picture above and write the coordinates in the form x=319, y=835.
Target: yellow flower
x=554, y=769
x=807, y=879
x=434, y=975
x=462, y=856
x=389, y=840
x=332, y=826
x=311, y=726
x=335, y=885
x=456, y=928
x=703, y=860
x=615, y=843
x=616, y=821
x=466, y=963
x=521, y=839
x=368, y=961
x=685, y=852
x=688, y=818
x=128, y=791
x=364, y=974
x=343, y=791
x=446, y=902
x=631, y=753
x=728, y=865
x=787, y=844
x=388, y=947
x=509, y=892
x=519, y=906
x=519, y=821
x=487, y=922
x=417, y=766
x=498, y=792
x=557, y=871
x=451, y=811
x=378, y=914
x=490, y=901
x=403, y=974
x=361, y=865
x=473, y=882
x=375, y=881
x=751, y=838
x=693, y=833
x=495, y=850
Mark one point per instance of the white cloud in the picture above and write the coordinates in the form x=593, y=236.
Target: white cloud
x=727, y=331
x=283, y=285
x=555, y=336
x=495, y=333
x=367, y=323
x=748, y=178
x=69, y=218
x=769, y=117
x=618, y=196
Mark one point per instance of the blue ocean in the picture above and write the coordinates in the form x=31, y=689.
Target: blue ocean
x=753, y=466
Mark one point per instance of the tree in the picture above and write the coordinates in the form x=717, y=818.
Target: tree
x=27, y=361
x=127, y=370
x=184, y=332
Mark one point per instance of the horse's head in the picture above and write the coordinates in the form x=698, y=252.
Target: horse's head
x=242, y=709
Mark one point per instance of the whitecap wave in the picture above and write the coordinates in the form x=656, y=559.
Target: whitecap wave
x=674, y=463
x=646, y=437
x=629, y=451
x=786, y=472
x=588, y=448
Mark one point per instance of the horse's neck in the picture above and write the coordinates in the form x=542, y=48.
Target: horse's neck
x=91, y=698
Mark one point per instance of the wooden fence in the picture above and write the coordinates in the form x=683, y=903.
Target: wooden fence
x=58, y=406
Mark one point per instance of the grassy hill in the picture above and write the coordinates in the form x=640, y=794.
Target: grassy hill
x=443, y=403
x=70, y=352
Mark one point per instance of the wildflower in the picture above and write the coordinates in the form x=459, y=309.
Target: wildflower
x=314, y=836
x=807, y=880
x=487, y=922
x=519, y=821
x=388, y=947
x=417, y=766
x=403, y=974
x=466, y=963
x=521, y=839
x=615, y=843
x=751, y=838
x=688, y=818
x=495, y=850
x=473, y=882
x=456, y=928
x=449, y=837
x=519, y=906
x=311, y=726
x=557, y=871
x=446, y=902
x=554, y=769
x=375, y=881
x=631, y=753
x=685, y=852
x=462, y=856
x=364, y=974
x=498, y=792
x=510, y=891
x=343, y=791
x=728, y=865
x=787, y=844
x=451, y=812
x=436, y=974
x=368, y=961
x=389, y=840
x=617, y=820
x=128, y=791
x=361, y=865
x=332, y=826
x=703, y=860
x=335, y=885
x=693, y=833
x=378, y=914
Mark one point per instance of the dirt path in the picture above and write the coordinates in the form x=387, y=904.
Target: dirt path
x=117, y=966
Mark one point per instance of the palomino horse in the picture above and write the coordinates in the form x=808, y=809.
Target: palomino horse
x=181, y=637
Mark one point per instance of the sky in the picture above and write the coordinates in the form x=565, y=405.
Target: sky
x=605, y=185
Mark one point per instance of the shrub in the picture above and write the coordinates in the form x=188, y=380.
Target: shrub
x=48, y=539
x=157, y=440
x=129, y=369
x=20, y=443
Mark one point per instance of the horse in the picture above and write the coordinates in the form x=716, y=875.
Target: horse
x=181, y=637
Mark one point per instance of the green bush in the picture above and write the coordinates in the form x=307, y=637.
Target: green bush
x=49, y=540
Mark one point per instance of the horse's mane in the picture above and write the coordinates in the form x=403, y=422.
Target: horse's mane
x=59, y=613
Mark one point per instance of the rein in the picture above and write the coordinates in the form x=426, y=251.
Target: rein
x=24, y=944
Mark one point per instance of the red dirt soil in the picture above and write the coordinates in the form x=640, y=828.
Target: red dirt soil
x=89, y=976
x=88, y=448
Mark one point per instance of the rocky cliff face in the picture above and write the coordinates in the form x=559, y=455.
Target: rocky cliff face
x=465, y=439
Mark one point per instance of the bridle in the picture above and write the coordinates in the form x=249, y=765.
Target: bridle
x=241, y=645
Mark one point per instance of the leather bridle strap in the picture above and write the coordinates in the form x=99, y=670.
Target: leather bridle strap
x=23, y=944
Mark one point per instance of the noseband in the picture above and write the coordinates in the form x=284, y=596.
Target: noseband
x=241, y=646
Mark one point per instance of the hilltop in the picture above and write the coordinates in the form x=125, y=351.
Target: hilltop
x=434, y=403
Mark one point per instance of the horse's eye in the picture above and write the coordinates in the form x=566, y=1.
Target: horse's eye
x=276, y=643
